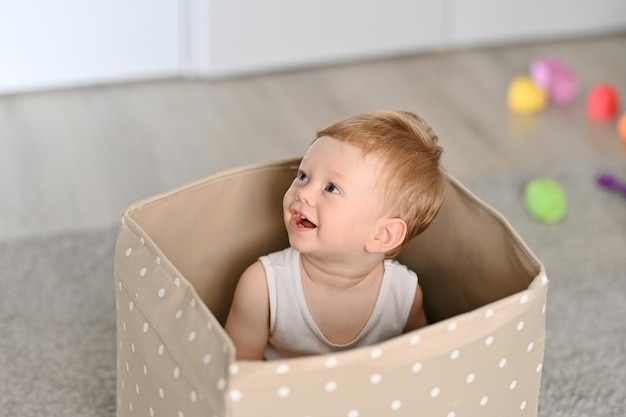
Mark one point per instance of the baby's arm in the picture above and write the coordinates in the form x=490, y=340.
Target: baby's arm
x=248, y=320
x=417, y=316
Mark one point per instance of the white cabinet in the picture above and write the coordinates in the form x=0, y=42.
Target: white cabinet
x=50, y=44
x=46, y=44
x=252, y=35
x=482, y=22
x=247, y=36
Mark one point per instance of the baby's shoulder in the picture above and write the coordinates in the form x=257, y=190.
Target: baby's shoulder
x=252, y=273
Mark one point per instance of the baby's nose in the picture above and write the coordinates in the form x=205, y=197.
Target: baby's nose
x=305, y=195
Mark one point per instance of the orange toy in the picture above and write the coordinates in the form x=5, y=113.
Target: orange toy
x=621, y=127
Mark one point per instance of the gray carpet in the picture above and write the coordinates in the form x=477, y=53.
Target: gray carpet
x=57, y=326
x=57, y=308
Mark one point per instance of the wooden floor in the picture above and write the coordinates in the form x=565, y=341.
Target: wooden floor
x=75, y=159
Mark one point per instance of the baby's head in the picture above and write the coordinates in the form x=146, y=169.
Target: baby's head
x=412, y=177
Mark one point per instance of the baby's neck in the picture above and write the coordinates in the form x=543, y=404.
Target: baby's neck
x=341, y=275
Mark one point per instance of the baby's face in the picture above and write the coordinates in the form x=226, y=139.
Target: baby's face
x=335, y=201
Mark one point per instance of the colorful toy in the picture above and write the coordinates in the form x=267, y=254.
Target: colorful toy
x=612, y=182
x=602, y=102
x=621, y=127
x=525, y=96
x=559, y=81
x=545, y=200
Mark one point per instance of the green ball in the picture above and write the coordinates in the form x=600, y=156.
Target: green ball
x=545, y=200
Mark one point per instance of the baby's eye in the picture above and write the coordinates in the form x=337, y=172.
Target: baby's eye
x=301, y=176
x=332, y=188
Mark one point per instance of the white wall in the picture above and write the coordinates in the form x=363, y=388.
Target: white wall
x=51, y=44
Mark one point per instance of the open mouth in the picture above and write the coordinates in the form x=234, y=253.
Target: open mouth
x=302, y=221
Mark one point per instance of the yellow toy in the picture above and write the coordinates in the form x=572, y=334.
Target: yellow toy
x=525, y=96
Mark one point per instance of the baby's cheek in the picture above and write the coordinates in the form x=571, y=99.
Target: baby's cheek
x=287, y=199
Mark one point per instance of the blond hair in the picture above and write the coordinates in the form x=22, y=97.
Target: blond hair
x=414, y=181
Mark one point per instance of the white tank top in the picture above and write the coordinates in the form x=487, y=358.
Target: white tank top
x=293, y=331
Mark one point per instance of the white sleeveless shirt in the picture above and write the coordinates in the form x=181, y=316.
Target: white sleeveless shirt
x=293, y=331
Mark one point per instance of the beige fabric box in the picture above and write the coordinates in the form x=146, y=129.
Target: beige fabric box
x=179, y=256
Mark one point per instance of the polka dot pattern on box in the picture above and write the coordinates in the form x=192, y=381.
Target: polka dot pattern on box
x=481, y=376
x=394, y=377
x=159, y=317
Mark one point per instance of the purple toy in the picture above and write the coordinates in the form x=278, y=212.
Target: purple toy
x=559, y=81
x=612, y=182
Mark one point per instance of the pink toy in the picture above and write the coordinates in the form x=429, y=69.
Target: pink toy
x=558, y=80
x=612, y=182
x=602, y=102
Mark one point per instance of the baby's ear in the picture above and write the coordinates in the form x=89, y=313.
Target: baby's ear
x=388, y=235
